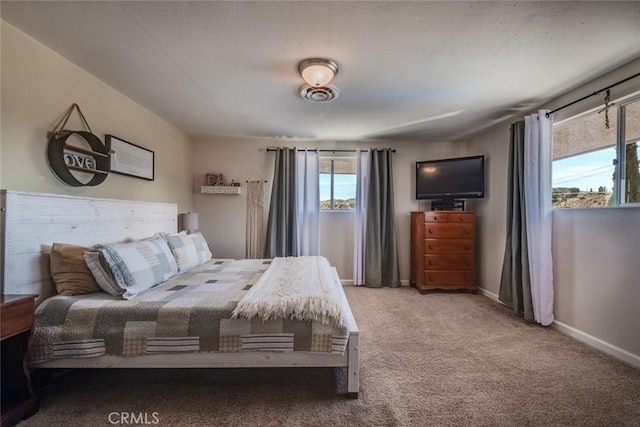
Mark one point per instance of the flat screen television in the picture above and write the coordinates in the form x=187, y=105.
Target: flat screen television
x=450, y=179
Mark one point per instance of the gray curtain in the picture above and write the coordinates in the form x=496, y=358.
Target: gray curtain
x=515, y=284
x=281, y=237
x=381, y=250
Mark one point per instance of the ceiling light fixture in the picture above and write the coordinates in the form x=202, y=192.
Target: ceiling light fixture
x=318, y=73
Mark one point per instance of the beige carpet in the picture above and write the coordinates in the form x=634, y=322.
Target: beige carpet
x=426, y=360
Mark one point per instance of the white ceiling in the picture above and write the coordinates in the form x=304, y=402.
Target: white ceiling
x=406, y=68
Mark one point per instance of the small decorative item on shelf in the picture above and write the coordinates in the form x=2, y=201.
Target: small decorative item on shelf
x=211, y=179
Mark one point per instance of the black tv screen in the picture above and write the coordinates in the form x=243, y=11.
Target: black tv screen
x=458, y=178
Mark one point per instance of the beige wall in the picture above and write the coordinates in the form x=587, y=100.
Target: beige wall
x=595, y=250
x=38, y=85
x=222, y=217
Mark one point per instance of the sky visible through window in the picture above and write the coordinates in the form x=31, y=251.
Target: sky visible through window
x=587, y=171
x=344, y=186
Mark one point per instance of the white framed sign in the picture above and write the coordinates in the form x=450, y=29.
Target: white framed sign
x=130, y=159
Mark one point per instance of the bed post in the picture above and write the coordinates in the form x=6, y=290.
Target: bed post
x=353, y=376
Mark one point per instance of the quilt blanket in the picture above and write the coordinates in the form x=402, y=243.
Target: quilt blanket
x=190, y=312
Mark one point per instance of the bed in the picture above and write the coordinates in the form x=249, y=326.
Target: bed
x=32, y=222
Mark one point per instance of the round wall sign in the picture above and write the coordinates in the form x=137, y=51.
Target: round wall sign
x=64, y=158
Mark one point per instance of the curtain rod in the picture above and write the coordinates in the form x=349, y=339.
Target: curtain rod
x=593, y=94
x=326, y=151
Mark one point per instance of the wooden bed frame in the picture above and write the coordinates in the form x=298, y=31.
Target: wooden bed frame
x=31, y=222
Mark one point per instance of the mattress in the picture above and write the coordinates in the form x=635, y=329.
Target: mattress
x=189, y=313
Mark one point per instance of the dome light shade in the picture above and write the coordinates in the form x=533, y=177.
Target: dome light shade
x=317, y=72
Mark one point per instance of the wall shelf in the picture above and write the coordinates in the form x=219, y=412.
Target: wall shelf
x=219, y=189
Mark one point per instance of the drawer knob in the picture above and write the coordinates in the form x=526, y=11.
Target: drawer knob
x=435, y=218
x=461, y=218
x=467, y=246
x=431, y=279
x=430, y=231
x=466, y=231
x=430, y=262
x=430, y=246
x=467, y=262
x=467, y=278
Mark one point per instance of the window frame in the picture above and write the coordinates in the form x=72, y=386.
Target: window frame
x=620, y=160
x=333, y=158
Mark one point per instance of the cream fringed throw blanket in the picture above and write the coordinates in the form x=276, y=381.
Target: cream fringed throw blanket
x=301, y=288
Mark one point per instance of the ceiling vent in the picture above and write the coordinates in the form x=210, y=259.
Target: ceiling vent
x=319, y=94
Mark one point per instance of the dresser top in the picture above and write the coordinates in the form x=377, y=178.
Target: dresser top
x=13, y=299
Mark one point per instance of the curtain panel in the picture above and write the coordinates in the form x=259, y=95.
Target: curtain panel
x=293, y=227
x=526, y=284
x=538, y=157
x=282, y=240
x=360, y=222
x=308, y=202
x=381, y=266
x=515, y=286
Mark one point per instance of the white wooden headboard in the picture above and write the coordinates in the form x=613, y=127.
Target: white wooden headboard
x=31, y=222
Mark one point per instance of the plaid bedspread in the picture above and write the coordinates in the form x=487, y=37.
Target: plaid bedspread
x=190, y=312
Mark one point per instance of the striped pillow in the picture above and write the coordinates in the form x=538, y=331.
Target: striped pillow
x=189, y=250
x=100, y=274
x=137, y=266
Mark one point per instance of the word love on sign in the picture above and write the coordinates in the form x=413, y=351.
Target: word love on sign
x=65, y=158
x=79, y=161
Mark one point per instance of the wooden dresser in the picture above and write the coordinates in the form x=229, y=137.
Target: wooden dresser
x=443, y=250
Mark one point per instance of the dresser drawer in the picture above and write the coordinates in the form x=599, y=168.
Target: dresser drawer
x=462, y=217
x=449, y=246
x=449, y=230
x=435, y=216
x=449, y=278
x=449, y=262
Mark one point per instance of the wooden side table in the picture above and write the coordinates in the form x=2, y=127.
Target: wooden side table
x=16, y=323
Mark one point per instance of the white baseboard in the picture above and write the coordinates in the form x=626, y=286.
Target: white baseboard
x=490, y=295
x=574, y=333
x=608, y=348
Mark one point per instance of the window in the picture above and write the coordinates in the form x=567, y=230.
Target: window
x=337, y=183
x=588, y=169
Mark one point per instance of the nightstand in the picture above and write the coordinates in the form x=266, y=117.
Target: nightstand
x=16, y=323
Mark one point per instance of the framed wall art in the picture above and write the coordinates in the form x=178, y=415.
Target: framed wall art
x=130, y=159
